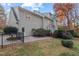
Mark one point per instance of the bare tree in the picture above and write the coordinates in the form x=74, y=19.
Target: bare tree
x=66, y=11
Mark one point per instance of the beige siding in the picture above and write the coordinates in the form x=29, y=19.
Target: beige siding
x=46, y=23
x=29, y=21
x=11, y=20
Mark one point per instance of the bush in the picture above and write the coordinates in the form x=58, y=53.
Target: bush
x=62, y=34
x=48, y=32
x=38, y=32
x=67, y=35
x=76, y=34
x=58, y=33
x=72, y=32
x=12, y=38
x=67, y=43
x=68, y=54
x=41, y=32
x=10, y=30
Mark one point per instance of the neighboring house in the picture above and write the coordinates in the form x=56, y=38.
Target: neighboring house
x=2, y=18
x=28, y=20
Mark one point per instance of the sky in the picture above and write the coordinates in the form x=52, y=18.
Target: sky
x=41, y=7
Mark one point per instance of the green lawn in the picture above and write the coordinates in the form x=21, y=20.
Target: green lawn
x=48, y=47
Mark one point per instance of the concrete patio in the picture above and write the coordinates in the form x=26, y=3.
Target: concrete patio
x=26, y=39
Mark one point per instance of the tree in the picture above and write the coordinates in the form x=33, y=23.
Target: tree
x=64, y=12
x=76, y=16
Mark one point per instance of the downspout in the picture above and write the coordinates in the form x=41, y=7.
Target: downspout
x=14, y=14
x=16, y=17
x=43, y=21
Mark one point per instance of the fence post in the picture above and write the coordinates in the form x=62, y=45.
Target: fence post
x=2, y=40
x=23, y=34
x=23, y=37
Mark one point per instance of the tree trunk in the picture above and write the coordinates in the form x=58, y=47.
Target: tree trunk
x=68, y=21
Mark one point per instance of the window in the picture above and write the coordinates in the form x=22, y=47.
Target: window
x=28, y=17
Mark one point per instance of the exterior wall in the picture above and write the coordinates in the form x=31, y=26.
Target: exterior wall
x=46, y=23
x=29, y=21
x=11, y=20
x=2, y=19
x=2, y=23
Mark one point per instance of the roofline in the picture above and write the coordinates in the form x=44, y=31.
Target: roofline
x=33, y=12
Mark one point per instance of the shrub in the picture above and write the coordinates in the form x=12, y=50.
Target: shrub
x=40, y=32
x=58, y=33
x=10, y=30
x=60, y=28
x=11, y=38
x=68, y=54
x=67, y=43
x=48, y=32
x=62, y=34
x=72, y=32
x=76, y=34
x=67, y=35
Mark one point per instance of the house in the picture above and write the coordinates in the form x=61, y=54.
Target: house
x=27, y=20
x=2, y=18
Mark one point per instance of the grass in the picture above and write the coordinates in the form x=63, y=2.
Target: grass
x=48, y=47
